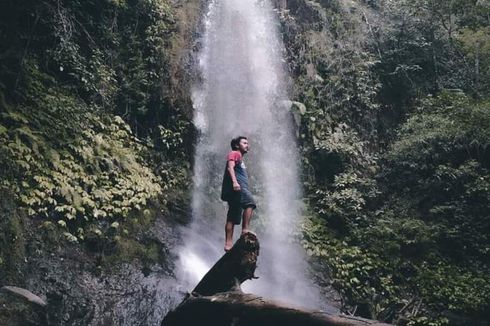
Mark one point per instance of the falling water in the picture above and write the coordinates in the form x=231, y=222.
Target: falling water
x=242, y=91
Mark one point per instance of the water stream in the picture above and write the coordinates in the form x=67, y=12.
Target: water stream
x=243, y=91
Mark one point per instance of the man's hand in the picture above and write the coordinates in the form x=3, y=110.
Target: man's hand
x=231, y=170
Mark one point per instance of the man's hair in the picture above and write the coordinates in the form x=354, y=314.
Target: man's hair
x=235, y=141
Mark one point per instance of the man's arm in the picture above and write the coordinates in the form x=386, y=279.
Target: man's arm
x=231, y=171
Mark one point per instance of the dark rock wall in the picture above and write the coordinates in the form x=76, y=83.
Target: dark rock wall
x=82, y=287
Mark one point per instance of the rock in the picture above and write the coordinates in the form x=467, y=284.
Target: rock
x=20, y=307
x=298, y=109
x=26, y=294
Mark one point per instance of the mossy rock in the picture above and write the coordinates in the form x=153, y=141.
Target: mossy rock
x=12, y=246
x=17, y=311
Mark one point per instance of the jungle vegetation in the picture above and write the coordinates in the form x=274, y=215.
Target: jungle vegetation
x=395, y=137
x=91, y=136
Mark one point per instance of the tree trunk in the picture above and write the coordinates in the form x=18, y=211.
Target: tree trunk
x=234, y=268
x=219, y=301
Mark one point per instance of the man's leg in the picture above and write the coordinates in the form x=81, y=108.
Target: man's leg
x=229, y=235
x=247, y=216
x=233, y=217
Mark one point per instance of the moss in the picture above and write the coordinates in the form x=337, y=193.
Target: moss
x=131, y=242
x=17, y=311
x=128, y=250
x=49, y=232
x=16, y=314
x=12, y=243
x=125, y=241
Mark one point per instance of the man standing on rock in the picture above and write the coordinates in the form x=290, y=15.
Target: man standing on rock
x=235, y=190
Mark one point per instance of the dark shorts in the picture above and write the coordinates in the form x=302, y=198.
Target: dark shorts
x=239, y=200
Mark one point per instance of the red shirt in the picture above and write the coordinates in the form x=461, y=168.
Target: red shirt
x=240, y=174
x=234, y=156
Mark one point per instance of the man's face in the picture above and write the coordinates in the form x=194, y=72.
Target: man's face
x=243, y=146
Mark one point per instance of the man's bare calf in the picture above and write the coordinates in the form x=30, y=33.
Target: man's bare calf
x=246, y=217
x=230, y=227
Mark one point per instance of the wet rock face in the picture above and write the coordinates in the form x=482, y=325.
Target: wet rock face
x=83, y=287
x=19, y=307
x=126, y=297
x=80, y=291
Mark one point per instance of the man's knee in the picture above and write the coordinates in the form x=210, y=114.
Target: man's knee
x=248, y=211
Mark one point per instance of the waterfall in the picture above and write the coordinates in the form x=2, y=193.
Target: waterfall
x=243, y=91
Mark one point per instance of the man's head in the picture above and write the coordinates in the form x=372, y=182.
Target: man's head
x=240, y=143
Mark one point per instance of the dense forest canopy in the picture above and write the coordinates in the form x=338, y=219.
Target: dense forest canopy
x=392, y=104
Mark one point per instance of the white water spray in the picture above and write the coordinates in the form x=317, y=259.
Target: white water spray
x=242, y=92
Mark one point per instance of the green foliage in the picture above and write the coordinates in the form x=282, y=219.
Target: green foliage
x=344, y=203
x=335, y=77
x=410, y=246
x=441, y=161
x=80, y=81
x=396, y=236
x=427, y=46
x=114, y=54
x=361, y=277
x=171, y=140
x=395, y=275
x=475, y=44
x=397, y=178
x=78, y=168
x=457, y=288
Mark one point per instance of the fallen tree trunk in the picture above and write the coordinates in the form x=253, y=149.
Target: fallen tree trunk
x=219, y=301
x=234, y=268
